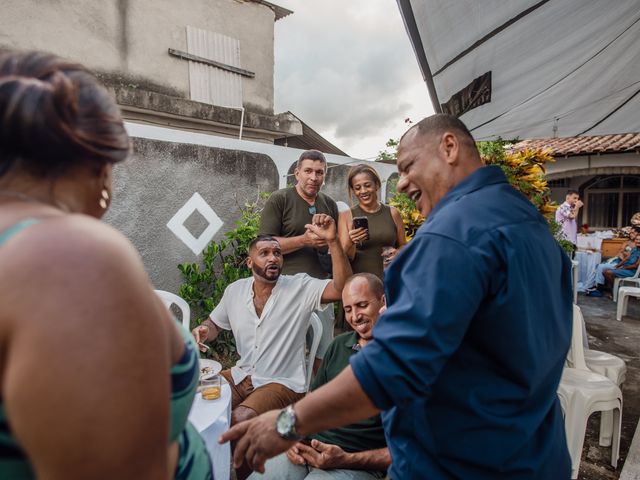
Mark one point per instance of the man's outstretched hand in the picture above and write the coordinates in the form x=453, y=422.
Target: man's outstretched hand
x=256, y=441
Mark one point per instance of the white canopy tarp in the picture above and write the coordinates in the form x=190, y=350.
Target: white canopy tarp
x=557, y=67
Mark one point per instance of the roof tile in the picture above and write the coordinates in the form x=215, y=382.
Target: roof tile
x=567, y=146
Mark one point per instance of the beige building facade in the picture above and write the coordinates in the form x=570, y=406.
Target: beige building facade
x=139, y=49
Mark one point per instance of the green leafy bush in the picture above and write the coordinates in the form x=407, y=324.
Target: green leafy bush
x=223, y=263
x=556, y=231
x=411, y=216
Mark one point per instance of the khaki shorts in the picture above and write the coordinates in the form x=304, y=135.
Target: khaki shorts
x=271, y=396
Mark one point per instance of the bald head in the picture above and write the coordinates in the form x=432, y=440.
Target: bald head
x=435, y=126
x=362, y=299
x=373, y=283
x=433, y=157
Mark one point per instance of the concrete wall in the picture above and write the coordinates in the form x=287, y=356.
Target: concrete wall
x=559, y=193
x=130, y=38
x=169, y=166
x=579, y=169
x=609, y=164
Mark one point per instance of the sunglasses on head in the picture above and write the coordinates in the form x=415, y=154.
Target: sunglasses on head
x=312, y=210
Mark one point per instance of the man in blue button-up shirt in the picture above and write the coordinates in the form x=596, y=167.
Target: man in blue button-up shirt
x=467, y=359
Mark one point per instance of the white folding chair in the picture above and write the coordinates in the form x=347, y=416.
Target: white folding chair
x=581, y=393
x=169, y=299
x=623, y=300
x=574, y=277
x=316, y=327
x=607, y=365
x=620, y=281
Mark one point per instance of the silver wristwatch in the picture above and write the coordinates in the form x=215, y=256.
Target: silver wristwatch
x=286, y=424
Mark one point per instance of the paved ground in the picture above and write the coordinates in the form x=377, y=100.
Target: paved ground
x=621, y=339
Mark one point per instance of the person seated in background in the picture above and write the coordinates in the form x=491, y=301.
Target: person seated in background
x=269, y=315
x=598, y=272
x=357, y=451
x=623, y=265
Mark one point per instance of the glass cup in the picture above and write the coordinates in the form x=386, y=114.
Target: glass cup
x=210, y=387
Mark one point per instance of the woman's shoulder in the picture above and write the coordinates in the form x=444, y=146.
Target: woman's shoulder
x=74, y=263
x=70, y=241
x=86, y=233
x=394, y=212
x=356, y=211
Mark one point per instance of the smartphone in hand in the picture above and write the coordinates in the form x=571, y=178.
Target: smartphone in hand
x=361, y=222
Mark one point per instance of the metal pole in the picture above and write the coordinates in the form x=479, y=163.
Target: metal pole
x=241, y=122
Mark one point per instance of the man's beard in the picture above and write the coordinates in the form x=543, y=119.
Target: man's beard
x=262, y=273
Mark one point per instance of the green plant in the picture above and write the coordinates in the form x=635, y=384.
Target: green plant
x=556, y=231
x=411, y=216
x=223, y=263
x=390, y=151
x=525, y=171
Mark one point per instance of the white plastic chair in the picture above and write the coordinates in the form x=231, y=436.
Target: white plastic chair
x=581, y=393
x=574, y=277
x=619, y=281
x=316, y=327
x=607, y=365
x=169, y=299
x=623, y=299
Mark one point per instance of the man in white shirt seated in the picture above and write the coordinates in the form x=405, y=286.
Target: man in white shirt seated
x=269, y=314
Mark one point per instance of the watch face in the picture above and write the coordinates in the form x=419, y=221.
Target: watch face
x=284, y=424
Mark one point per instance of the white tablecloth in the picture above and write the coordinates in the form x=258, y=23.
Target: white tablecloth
x=587, y=263
x=589, y=242
x=211, y=418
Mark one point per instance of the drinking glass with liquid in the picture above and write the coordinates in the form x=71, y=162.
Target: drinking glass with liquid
x=210, y=387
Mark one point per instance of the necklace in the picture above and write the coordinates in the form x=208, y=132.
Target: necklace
x=28, y=198
x=374, y=211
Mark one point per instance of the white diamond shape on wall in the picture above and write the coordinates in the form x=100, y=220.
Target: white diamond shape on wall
x=176, y=224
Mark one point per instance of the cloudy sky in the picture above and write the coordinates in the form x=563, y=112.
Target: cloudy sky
x=347, y=69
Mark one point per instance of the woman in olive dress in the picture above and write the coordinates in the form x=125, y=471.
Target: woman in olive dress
x=370, y=249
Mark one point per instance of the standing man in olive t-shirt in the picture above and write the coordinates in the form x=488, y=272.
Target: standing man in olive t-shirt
x=284, y=216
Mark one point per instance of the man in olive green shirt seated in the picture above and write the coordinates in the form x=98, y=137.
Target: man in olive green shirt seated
x=357, y=451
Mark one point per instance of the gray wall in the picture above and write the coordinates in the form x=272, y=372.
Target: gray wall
x=160, y=177
x=169, y=166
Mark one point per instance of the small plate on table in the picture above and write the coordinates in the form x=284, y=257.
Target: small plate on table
x=209, y=367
